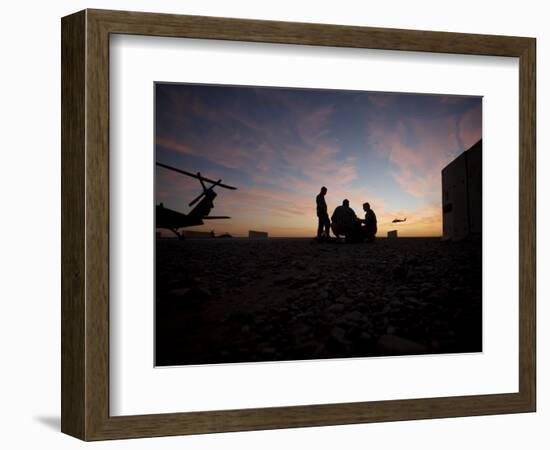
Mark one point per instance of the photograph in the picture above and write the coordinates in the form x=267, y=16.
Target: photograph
x=305, y=224
x=275, y=222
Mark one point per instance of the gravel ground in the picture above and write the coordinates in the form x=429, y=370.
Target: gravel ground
x=235, y=300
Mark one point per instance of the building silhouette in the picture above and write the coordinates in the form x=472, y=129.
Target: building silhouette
x=461, y=182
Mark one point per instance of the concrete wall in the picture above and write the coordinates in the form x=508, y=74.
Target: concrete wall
x=474, y=162
x=461, y=183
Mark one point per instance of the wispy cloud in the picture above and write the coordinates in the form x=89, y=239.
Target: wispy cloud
x=418, y=149
x=173, y=145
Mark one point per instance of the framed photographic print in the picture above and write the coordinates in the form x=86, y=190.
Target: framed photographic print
x=270, y=224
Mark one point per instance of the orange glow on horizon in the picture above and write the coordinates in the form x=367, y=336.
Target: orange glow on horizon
x=428, y=226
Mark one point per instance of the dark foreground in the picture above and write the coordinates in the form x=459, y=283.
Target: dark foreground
x=225, y=301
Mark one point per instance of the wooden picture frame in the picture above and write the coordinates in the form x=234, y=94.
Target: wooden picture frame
x=85, y=224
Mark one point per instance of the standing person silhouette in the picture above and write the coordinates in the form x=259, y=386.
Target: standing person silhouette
x=323, y=228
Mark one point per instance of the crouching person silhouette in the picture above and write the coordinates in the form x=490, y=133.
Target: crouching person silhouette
x=345, y=222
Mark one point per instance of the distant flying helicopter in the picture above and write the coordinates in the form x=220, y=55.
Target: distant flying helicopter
x=173, y=220
x=399, y=220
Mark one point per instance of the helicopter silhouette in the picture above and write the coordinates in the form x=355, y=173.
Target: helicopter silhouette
x=399, y=220
x=173, y=221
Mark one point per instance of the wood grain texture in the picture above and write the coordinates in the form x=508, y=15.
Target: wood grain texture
x=73, y=109
x=151, y=24
x=85, y=224
x=527, y=224
x=97, y=226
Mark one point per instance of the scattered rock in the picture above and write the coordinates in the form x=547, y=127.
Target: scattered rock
x=307, y=348
x=339, y=334
x=298, y=282
x=354, y=316
x=279, y=281
x=400, y=272
x=439, y=294
x=395, y=302
x=192, y=294
x=268, y=351
x=301, y=329
x=412, y=260
x=407, y=293
x=391, y=344
x=336, y=308
x=364, y=336
x=298, y=265
x=343, y=299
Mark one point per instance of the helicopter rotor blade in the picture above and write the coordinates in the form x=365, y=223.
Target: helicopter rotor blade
x=211, y=188
x=217, y=183
x=196, y=199
x=202, y=182
x=193, y=175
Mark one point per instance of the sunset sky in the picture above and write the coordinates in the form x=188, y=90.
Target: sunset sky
x=279, y=146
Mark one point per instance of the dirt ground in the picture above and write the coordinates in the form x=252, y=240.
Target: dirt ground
x=240, y=300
